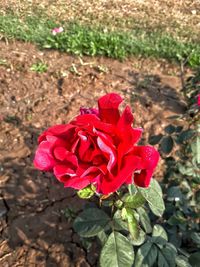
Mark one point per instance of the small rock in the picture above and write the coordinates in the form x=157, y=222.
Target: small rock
x=194, y=12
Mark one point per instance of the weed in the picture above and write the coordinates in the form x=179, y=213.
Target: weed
x=39, y=67
x=5, y=63
x=102, y=68
x=69, y=213
x=12, y=119
x=73, y=69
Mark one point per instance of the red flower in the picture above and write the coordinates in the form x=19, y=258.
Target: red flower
x=198, y=100
x=98, y=147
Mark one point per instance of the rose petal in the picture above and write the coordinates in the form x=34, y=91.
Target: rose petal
x=149, y=156
x=128, y=139
x=63, y=170
x=108, y=150
x=90, y=121
x=72, y=160
x=70, y=178
x=143, y=178
x=43, y=159
x=58, y=130
x=149, y=159
x=126, y=118
x=93, y=171
x=77, y=182
x=130, y=164
x=136, y=134
x=84, y=144
x=129, y=180
x=60, y=153
x=108, y=108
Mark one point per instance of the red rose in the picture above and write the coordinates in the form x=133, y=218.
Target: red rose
x=98, y=147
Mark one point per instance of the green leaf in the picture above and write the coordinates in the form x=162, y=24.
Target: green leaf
x=107, y=203
x=134, y=201
x=142, y=253
x=155, y=139
x=196, y=238
x=174, y=237
x=198, y=149
x=118, y=204
x=170, y=129
x=185, y=136
x=118, y=223
x=144, y=220
x=167, y=144
x=102, y=237
x=177, y=219
x=179, y=129
x=90, y=222
x=132, y=223
x=195, y=146
x=159, y=231
x=86, y=243
x=140, y=239
x=188, y=169
x=87, y=192
x=159, y=235
x=194, y=259
x=117, y=252
x=132, y=189
x=166, y=257
x=182, y=261
x=163, y=261
x=174, y=193
x=151, y=257
x=153, y=195
x=197, y=197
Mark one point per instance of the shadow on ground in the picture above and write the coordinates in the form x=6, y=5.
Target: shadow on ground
x=156, y=90
x=34, y=227
x=34, y=230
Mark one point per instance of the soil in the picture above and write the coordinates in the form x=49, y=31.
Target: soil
x=33, y=226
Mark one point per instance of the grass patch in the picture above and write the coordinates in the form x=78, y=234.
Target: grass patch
x=85, y=40
x=39, y=67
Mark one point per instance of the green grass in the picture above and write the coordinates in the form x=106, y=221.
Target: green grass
x=39, y=67
x=94, y=41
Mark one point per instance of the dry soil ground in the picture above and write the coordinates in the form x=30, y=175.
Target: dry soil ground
x=34, y=230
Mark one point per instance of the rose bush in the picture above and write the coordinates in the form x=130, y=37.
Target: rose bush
x=98, y=147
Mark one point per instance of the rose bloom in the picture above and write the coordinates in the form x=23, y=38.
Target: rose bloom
x=98, y=147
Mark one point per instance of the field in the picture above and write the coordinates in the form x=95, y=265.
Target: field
x=43, y=87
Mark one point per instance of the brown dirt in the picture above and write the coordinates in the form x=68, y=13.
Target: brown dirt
x=34, y=230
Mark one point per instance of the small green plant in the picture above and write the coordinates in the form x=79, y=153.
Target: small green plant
x=3, y=62
x=12, y=119
x=73, y=69
x=39, y=67
x=69, y=213
x=101, y=69
x=181, y=184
